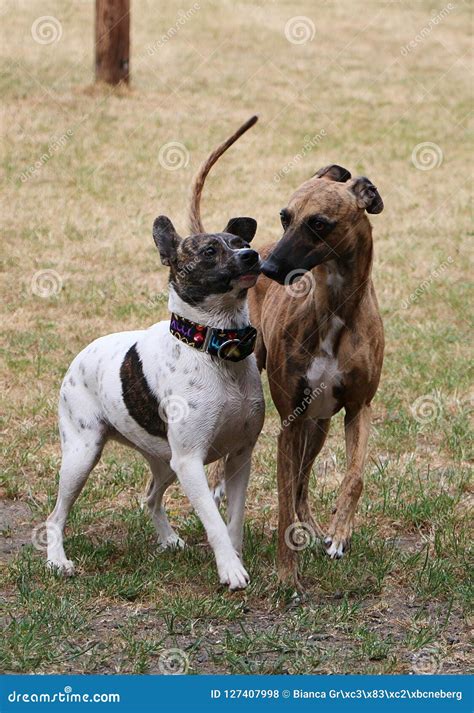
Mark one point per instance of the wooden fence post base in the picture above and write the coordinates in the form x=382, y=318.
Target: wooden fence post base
x=112, y=41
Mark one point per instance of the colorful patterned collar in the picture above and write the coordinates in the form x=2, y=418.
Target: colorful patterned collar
x=227, y=344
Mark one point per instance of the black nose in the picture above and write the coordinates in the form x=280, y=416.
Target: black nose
x=272, y=271
x=249, y=258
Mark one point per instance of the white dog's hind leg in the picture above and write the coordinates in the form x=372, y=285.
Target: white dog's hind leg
x=237, y=472
x=192, y=476
x=81, y=453
x=162, y=478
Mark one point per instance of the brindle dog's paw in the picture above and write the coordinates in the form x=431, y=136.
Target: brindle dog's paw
x=336, y=548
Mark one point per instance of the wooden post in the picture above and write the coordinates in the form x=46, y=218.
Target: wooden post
x=112, y=41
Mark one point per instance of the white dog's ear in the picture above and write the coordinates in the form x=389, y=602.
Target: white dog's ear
x=166, y=239
x=245, y=228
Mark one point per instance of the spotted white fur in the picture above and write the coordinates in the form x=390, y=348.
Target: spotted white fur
x=222, y=414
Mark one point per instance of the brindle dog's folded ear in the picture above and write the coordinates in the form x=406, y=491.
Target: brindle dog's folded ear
x=367, y=195
x=333, y=173
x=245, y=228
x=166, y=239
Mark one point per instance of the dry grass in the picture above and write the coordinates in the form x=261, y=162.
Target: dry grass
x=87, y=214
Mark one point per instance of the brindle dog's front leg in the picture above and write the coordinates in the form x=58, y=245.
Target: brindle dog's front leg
x=312, y=435
x=357, y=427
x=287, y=473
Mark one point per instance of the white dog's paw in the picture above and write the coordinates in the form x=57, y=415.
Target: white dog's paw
x=61, y=566
x=172, y=542
x=233, y=573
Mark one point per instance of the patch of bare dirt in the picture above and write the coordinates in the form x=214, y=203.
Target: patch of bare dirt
x=15, y=527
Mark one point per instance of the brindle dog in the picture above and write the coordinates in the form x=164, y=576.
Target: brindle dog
x=321, y=341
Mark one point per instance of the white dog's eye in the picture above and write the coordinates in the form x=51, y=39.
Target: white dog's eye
x=239, y=244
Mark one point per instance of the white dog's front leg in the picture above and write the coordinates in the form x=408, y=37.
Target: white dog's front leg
x=237, y=472
x=192, y=476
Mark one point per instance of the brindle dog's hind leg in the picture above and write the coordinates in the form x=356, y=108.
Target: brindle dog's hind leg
x=357, y=427
x=216, y=480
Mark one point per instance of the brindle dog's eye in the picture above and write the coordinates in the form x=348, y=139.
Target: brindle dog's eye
x=285, y=219
x=209, y=252
x=317, y=226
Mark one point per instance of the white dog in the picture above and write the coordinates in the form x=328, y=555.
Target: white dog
x=185, y=392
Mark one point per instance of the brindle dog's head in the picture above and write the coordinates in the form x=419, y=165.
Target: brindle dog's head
x=323, y=220
x=209, y=263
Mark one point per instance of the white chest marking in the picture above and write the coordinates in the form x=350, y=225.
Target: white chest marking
x=334, y=281
x=327, y=344
x=324, y=373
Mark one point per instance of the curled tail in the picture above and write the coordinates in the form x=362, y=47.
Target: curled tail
x=195, y=223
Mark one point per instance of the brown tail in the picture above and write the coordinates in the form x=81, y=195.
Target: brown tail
x=195, y=223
